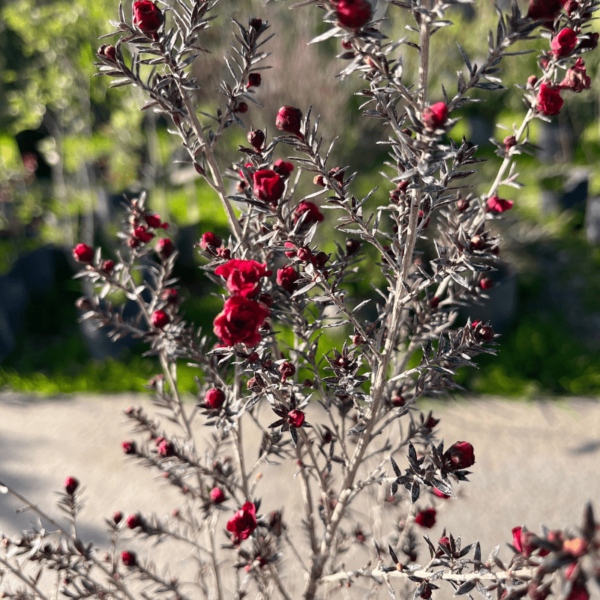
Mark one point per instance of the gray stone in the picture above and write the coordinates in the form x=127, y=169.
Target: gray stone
x=592, y=220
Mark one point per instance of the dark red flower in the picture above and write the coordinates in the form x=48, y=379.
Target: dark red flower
x=133, y=521
x=353, y=13
x=435, y=116
x=217, y=495
x=243, y=522
x=239, y=321
x=523, y=541
x=170, y=296
x=243, y=277
x=289, y=120
x=128, y=558
x=576, y=78
x=142, y=234
x=128, y=447
x=295, y=418
x=578, y=592
x=460, y=456
x=304, y=254
x=499, y=205
x=486, y=283
x=564, y=43
x=287, y=369
x=283, y=168
x=83, y=254
x=117, y=517
x=214, y=398
x=164, y=248
x=434, y=302
x=352, y=246
x=545, y=10
x=590, y=41
x=210, y=239
x=107, y=51
x=313, y=214
x=509, y=141
x=268, y=186
x=155, y=221
x=531, y=81
x=254, y=80
x=286, y=278
x=166, y=449
x=255, y=23
x=147, y=16
x=256, y=138
x=426, y=518
x=108, y=266
x=398, y=400
x=160, y=319
x=549, y=101
x=71, y=484
x=444, y=542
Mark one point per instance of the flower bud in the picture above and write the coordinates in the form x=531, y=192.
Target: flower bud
x=241, y=107
x=107, y=51
x=133, y=521
x=128, y=558
x=71, y=484
x=214, y=398
x=435, y=116
x=295, y=418
x=255, y=23
x=256, y=138
x=217, y=496
x=254, y=80
x=83, y=254
x=128, y=447
x=287, y=370
x=117, y=517
x=531, y=81
x=147, y=16
x=289, y=120
x=353, y=14
x=160, y=319
x=164, y=248
x=486, y=283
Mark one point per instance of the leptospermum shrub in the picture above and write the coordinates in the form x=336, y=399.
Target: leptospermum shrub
x=274, y=276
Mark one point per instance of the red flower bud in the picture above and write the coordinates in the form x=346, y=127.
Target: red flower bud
x=498, y=205
x=147, y=16
x=352, y=246
x=460, y=456
x=142, y=234
x=571, y=6
x=214, y=398
x=462, y=205
x=107, y=51
x=564, y=43
x=128, y=558
x=295, y=418
x=117, y=517
x=545, y=10
x=268, y=186
x=160, y=319
x=590, y=41
x=254, y=80
x=256, y=138
x=509, y=141
x=286, y=278
x=426, y=518
x=255, y=23
x=133, y=521
x=164, y=248
x=549, y=101
x=287, y=370
x=283, y=168
x=170, y=296
x=153, y=221
x=243, y=522
x=83, y=254
x=166, y=449
x=313, y=214
x=289, y=120
x=210, y=239
x=241, y=107
x=304, y=254
x=108, y=266
x=71, y=484
x=531, y=81
x=217, y=495
x=435, y=116
x=128, y=447
x=353, y=13
x=486, y=283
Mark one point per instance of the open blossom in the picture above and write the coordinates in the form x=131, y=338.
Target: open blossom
x=283, y=168
x=239, y=321
x=435, y=116
x=243, y=277
x=313, y=214
x=564, y=43
x=296, y=418
x=243, y=522
x=576, y=78
x=499, y=205
x=353, y=13
x=268, y=186
x=147, y=16
x=549, y=101
x=210, y=239
x=426, y=518
x=286, y=278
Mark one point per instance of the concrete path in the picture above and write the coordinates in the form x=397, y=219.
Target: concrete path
x=536, y=463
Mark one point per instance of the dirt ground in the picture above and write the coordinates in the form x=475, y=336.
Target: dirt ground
x=537, y=463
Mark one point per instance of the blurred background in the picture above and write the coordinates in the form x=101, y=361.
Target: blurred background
x=70, y=149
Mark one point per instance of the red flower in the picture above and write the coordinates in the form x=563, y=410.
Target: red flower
x=578, y=592
x=164, y=248
x=142, y=234
x=287, y=370
x=486, y=283
x=243, y=277
x=239, y=321
x=117, y=517
x=426, y=518
x=241, y=107
x=166, y=449
x=83, y=254
x=147, y=16
x=435, y=116
x=564, y=43
x=256, y=138
x=313, y=214
x=268, y=186
x=133, y=521
x=353, y=13
x=108, y=266
x=439, y=494
x=71, y=484
x=549, y=101
x=217, y=496
x=210, y=239
x=509, y=141
x=460, y=456
x=154, y=221
x=590, y=41
x=170, y=296
x=499, y=205
x=160, y=319
x=128, y=447
x=243, y=522
x=254, y=80
x=107, y=51
x=289, y=120
x=545, y=10
x=286, y=278
x=283, y=168
x=576, y=78
x=295, y=418
x=214, y=398
x=128, y=558
x=523, y=542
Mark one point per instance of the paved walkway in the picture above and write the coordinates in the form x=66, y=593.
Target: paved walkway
x=536, y=463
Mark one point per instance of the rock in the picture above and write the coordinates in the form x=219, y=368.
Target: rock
x=592, y=220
